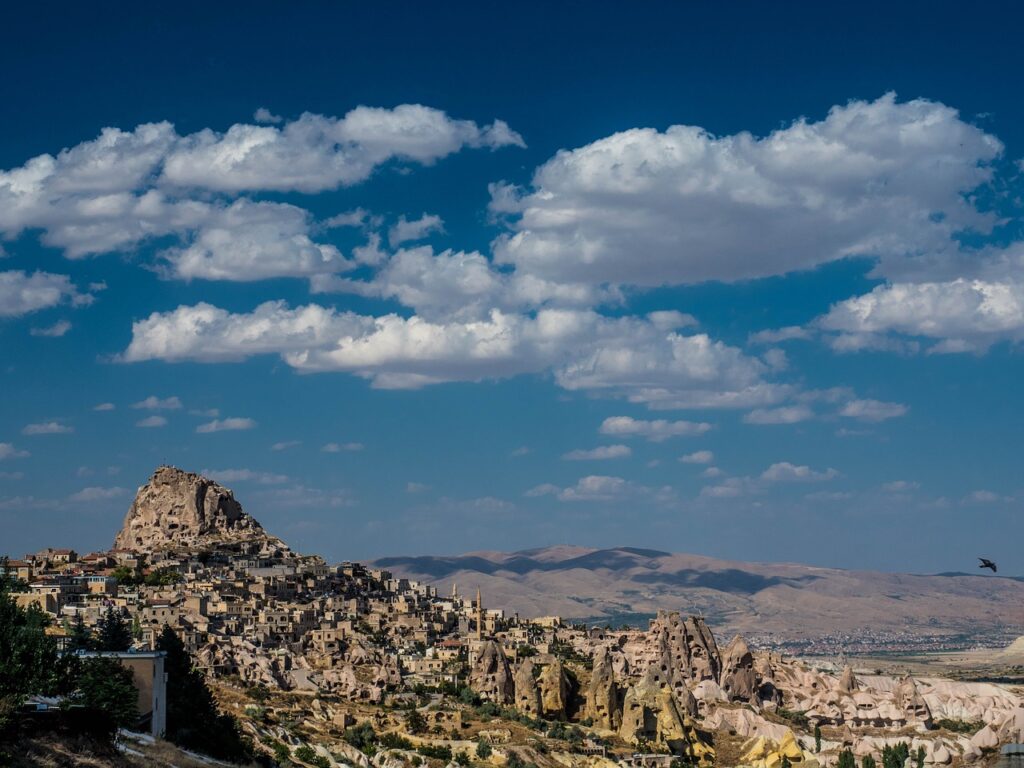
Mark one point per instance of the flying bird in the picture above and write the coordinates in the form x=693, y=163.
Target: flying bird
x=987, y=564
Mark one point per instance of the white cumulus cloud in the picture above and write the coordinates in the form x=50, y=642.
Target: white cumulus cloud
x=22, y=293
x=654, y=430
x=225, y=425
x=47, y=428
x=154, y=403
x=405, y=229
x=785, y=472
x=787, y=414
x=8, y=451
x=882, y=178
x=698, y=457
x=584, y=350
x=599, y=454
x=873, y=410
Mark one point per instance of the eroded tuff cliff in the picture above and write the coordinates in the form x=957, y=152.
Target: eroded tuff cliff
x=178, y=509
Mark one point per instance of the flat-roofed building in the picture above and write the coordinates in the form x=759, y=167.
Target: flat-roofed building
x=147, y=668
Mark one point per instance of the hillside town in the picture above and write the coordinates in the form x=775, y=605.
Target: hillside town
x=349, y=665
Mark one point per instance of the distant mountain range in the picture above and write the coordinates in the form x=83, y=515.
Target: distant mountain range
x=785, y=601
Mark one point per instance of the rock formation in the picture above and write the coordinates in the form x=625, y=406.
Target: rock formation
x=603, y=693
x=739, y=681
x=177, y=508
x=491, y=676
x=554, y=691
x=650, y=715
x=526, y=691
x=847, y=681
x=691, y=648
x=761, y=752
x=911, y=703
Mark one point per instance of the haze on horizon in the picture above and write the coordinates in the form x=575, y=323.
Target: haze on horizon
x=747, y=287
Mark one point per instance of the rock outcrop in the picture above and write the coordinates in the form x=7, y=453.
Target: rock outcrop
x=848, y=681
x=739, y=680
x=179, y=509
x=526, y=691
x=689, y=644
x=650, y=715
x=603, y=693
x=911, y=703
x=554, y=691
x=491, y=676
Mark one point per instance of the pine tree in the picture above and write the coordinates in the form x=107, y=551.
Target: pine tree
x=104, y=685
x=193, y=720
x=79, y=636
x=114, y=633
x=29, y=661
x=867, y=762
x=817, y=738
x=847, y=760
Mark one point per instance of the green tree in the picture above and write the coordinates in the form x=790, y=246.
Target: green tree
x=785, y=763
x=895, y=756
x=919, y=758
x=259, y=693
x=846, y=759
x=29, y=660
x=193, y=720
x=113, y=632
x=104, y=685
x=162, y=577
x=817, y=738
x=483, y=749
x=307, y=754
x=867, y=762
x=79, y=636
x=282, y=753
x=125, y=576
x=415, y=722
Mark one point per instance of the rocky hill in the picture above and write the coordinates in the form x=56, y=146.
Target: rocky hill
x=178, y=509
x=782, y=600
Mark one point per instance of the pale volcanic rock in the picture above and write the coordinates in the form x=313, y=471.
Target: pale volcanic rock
x=739, y=681
x=911, y=703
x=491, y=676
x=177, y=508
x=986, y=738
x=847, y=681
x=650, y=715
x=527, y=692
x=1012, y=729
x=603, y=693
x=763, y=752
x=690, y=643
x=554, y=690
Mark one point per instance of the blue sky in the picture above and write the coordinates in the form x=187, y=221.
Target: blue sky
x=429, y=279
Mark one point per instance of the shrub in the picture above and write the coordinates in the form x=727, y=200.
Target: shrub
x=959, y=726
x=797, y=718
x=361, y=736
x=436, y=751
x=394, y=741
x=282, y=754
